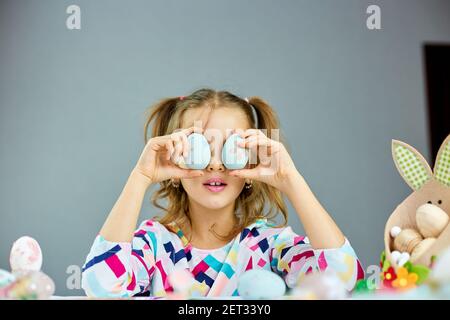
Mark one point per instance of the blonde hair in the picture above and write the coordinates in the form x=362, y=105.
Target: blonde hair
x=166, y=116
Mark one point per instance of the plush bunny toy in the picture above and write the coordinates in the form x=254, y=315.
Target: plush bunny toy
x=419, y=227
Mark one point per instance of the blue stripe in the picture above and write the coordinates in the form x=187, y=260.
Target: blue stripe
x=244, y=233
x=201, y=276
x=153, y=238
x=213, y=263
x=264, y=245
x=284, y=251
x=102, y=257
x=228, y=270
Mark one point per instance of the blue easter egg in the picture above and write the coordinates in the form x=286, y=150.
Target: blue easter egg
x=233, y=156
x=261, y=284
x=199, y=154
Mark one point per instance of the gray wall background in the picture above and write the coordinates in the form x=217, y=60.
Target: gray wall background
x=72, y=103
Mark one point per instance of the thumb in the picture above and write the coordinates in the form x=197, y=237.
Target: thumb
x=190, y=173
x=244, y=173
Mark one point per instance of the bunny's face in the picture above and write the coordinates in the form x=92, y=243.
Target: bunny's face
x=432, y=187
x=433, y=192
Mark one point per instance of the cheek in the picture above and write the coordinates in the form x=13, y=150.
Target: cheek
x=190, y=184
x=237, y=184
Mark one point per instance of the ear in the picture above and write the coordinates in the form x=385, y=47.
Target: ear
x=442, y=164
x=411, y=164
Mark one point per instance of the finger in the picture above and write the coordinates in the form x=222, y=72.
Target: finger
x=186, y=146
x=192, y=129
x=178, y=148
x=243, y=173
x=170, y=149
x=260, y=141
x=251, y=132
x=244, y=142
x=255, y=143
x=188, y=173
x=254, y=140
x=246, y=133
x=237, y=131
x=194, y=174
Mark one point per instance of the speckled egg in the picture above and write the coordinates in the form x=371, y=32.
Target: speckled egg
x=26, y=255
x=199, y=154
x=234, y=157
x=261, y=284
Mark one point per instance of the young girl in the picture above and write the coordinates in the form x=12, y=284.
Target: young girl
x=216, y=232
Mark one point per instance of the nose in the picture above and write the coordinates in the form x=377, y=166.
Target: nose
x=215, y=167
x=216, y=159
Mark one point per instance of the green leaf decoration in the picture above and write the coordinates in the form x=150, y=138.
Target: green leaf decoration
x=361, y=286
x=386, y=265
x=421, y=271
x=382, y=256
x=408, y=265
x=433, y=259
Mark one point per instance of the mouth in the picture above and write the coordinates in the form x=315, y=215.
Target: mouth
x=215, y=184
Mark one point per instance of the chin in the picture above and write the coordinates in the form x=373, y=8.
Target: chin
x=212, y=200
x=217, y=203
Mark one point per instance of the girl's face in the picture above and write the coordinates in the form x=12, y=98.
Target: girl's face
x=217, y=124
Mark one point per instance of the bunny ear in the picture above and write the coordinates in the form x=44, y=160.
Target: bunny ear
x=411, y=164
x=442, y=164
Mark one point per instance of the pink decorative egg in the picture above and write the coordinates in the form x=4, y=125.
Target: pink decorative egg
x=26, y=255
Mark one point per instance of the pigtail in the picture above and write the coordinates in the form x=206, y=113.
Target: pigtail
x=268, y=119
x=160, y=114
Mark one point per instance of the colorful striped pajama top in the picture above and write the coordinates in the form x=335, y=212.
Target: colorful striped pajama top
x=123, y=269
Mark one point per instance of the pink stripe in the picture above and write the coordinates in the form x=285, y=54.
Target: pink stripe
x=115, y=265
x=322, y=262
x=249, y=265
x=298, y=239
x=254, y=247
x=360, y=274
x=132, y=284
x=201, y=267
x=149, y=272
x=306, y=254
x=165, y=281
x=261, y=263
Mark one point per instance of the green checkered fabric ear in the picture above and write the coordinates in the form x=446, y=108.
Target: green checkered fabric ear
x=412, y=166
x=442, y=165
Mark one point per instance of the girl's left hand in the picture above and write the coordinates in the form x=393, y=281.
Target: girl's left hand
x=275, y=165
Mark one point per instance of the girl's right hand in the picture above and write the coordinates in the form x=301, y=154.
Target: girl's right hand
x=157, y=161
